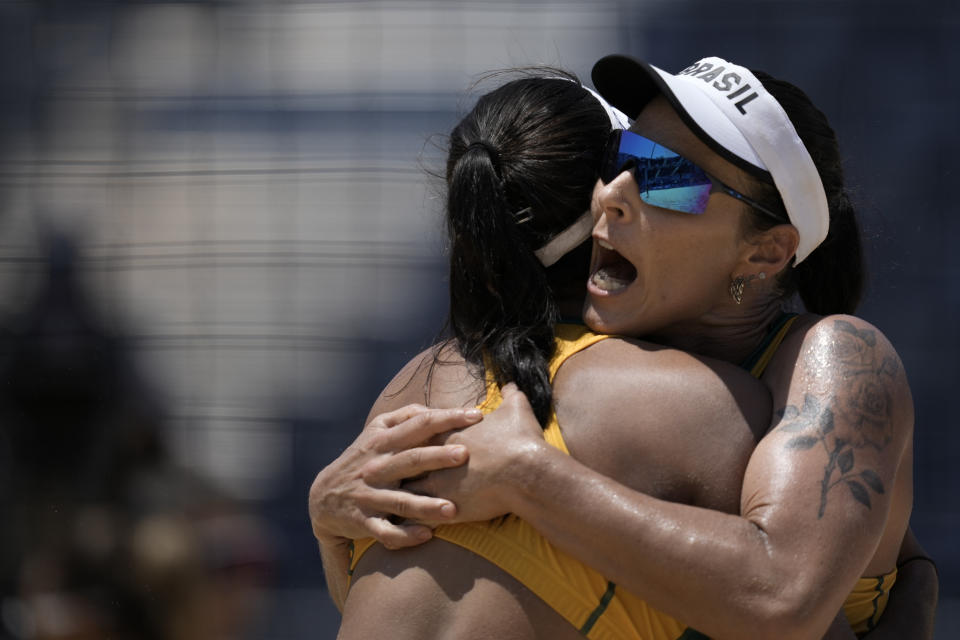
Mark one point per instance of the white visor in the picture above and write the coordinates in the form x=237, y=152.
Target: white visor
x=729, y=109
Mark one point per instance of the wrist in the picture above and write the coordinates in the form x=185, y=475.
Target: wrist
x=331, y=541
x=529, y=464
x=327, y=529
x=328, y=506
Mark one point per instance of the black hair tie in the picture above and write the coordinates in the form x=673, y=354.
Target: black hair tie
x=490, y=149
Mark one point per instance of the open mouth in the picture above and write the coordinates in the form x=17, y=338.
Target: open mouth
x=611, y=271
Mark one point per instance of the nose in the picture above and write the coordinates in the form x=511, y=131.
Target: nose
x=614, y=201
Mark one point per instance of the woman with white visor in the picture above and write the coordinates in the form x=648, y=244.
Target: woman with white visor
x=723, y=199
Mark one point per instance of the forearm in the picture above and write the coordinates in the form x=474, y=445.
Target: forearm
x=814, y=505
x=718, y=572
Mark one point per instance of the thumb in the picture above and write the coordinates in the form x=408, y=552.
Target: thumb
x=511, y=393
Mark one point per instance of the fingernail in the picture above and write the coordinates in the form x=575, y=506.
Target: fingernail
x=447, y=510
x=458, y=453
x=424, y=534
x=473, y=414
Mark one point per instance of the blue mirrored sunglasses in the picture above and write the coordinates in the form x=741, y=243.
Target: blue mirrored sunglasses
x=665, y=178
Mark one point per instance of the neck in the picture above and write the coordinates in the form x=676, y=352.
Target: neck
x=730, y=333
x=570, y=308
x=570, y=297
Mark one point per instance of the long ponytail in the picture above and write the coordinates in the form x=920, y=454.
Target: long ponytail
x=520, y=169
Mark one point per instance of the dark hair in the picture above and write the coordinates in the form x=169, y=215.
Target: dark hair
x=521, y=168
x=831, y=279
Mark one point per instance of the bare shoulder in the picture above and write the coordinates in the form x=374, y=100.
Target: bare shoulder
x=844, y=339
x=848, y=364
x=436, y=377
x=656, y=379
x=661, y=421
x=623, y=362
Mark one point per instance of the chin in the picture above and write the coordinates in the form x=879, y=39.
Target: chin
x=599, y=322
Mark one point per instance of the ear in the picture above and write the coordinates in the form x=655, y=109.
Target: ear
x=769, y=251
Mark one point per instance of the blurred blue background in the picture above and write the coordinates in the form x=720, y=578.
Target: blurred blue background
x=218, y=241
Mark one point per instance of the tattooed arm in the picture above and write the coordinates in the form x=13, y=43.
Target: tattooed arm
x=814, y=509
x=836, y=471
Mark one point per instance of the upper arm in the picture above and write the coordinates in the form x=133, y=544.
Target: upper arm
x=819, y=485
x=406, y=387
x=437, y=377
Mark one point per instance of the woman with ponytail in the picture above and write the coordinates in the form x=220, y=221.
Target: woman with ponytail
x=652, y=506
x=520, y=172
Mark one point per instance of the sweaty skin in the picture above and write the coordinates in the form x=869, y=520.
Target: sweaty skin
x=833, y=469
x=779, y=569
x=690, y=425
x=827, y=494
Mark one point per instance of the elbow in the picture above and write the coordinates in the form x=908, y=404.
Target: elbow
x=788, y=598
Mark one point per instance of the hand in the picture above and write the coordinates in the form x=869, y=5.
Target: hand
x=483, y=488
x=355, y=495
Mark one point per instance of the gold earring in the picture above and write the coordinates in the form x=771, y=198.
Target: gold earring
x=736, y=289
x=738, y=284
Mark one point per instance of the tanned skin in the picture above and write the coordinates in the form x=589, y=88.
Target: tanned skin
x=691, y=425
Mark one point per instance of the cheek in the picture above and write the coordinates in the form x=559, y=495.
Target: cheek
x=697, y=276
x=686, y=293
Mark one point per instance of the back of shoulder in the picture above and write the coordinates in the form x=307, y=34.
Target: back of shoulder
x=437, y=377
x=620, y=377
x=661, y=421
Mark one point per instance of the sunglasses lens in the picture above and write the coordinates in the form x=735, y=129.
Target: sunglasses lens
x=665, y=178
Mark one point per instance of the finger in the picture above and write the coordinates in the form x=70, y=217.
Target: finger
x=425, y=425
x=413, y=462
x=397, y=536
x=409, y=505
x=398, y=416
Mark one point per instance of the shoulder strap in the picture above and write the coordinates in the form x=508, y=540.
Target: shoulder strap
x=756, y=363
x=570, y=339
